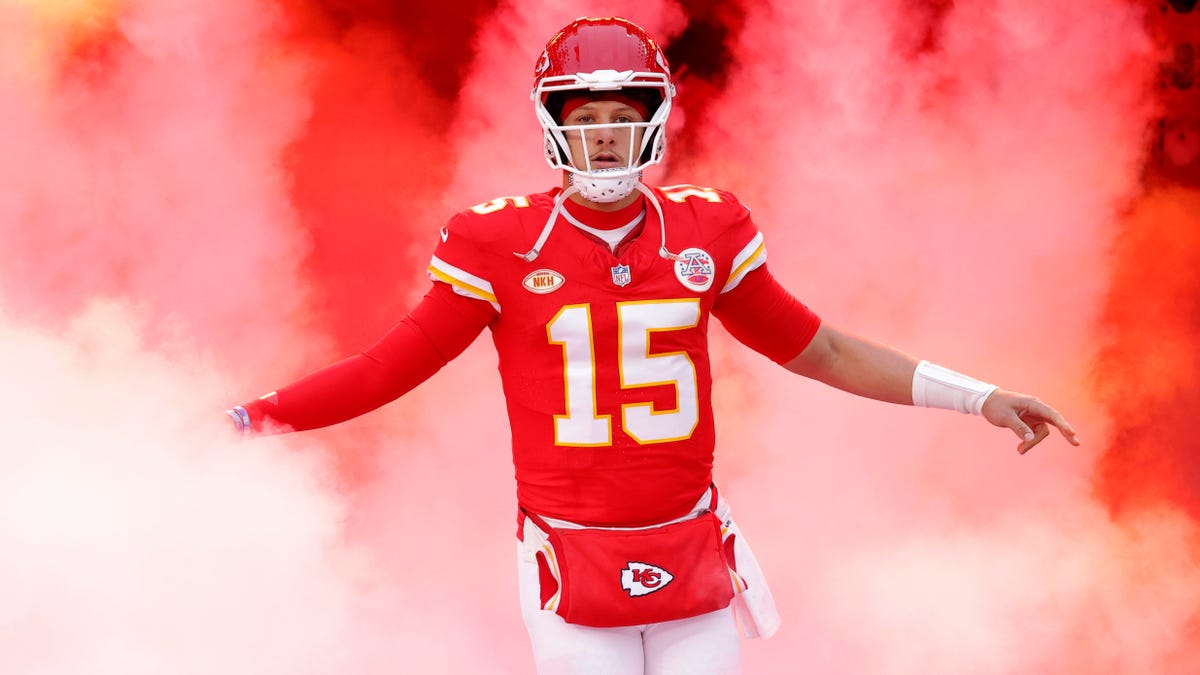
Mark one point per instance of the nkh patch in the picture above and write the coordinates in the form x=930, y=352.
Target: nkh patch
x=543, y=281
x=621, y=275
x=640, y=578
x=695, y=270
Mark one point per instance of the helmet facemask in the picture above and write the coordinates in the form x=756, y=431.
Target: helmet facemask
x=642, y=144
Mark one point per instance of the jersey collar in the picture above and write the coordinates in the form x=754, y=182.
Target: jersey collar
x=605, y=220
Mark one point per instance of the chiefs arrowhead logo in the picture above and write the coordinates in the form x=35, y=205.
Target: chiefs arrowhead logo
x=640, y=578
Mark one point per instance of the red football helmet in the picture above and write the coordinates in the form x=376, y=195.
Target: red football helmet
x=608, y=54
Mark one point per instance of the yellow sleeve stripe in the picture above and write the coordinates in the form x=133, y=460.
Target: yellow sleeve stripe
x=459, y=284
x=746, y=262
x=463, y=283
x=760, y=254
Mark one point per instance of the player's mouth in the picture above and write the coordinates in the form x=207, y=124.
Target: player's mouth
x=607, y=160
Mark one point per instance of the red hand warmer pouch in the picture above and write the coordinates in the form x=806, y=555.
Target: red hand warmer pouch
x=627, y=577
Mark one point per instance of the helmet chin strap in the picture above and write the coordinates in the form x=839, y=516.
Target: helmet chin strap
x=602, y=189
x=573, y=188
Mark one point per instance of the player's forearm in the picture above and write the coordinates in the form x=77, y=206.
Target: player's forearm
x=877, y=371
x=857, y=365
x=342, y=391
x=441, y=326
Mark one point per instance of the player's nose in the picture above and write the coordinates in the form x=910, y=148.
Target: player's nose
x=605, y=137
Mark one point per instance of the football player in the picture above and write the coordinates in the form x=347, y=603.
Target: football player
x=598, y=296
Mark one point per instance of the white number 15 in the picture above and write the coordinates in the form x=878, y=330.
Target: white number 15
x=582, y=425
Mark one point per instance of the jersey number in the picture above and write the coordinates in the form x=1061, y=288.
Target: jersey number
x=583, y=425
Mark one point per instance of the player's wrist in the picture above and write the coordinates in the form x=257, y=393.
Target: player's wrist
x=240, y=418
x=936, y=387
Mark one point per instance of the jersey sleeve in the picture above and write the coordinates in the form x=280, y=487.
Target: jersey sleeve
x=752, y=256
x=761, y=314
x=751, y=304
x=441, y=326
x=460, y=263
x=739, y=240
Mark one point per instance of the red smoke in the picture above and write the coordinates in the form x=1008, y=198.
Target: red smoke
x=1147, y=371
x=1149, y=331
x=370, y=166
x=205, y=200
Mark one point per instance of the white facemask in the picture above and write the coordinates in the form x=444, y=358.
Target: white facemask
x=606, y=185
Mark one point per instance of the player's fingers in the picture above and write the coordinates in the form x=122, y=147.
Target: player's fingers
x=1040, y=431
x=1021, y=429
x=1053, y=417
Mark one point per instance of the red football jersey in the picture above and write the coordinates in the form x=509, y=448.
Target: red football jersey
x=604, y=356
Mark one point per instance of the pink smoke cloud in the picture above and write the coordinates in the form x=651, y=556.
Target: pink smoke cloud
x=152, y=266
x=956, y=200
x=186, y=226
x=140, y=536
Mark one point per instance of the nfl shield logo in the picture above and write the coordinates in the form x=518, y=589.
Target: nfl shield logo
x=621, y=276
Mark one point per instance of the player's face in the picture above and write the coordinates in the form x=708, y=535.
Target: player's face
x=603, y=148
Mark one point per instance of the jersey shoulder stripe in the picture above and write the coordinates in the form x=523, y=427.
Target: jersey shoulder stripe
x=462, y=281
x=751, y=257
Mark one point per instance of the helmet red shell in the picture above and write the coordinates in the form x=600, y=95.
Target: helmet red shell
x=609, y=43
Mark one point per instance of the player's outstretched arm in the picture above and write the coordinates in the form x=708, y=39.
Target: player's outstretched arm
x=441, y=326
x=867, y=368
x=857, y=365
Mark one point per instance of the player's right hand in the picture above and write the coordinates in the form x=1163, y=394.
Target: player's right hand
x=1027, y=416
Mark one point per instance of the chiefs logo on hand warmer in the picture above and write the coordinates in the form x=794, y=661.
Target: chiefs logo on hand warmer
x=643, y=578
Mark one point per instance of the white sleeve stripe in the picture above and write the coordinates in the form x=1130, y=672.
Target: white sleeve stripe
x=462, y=275
x=753, y=261
x=461, y=288
x=749, y=267
x=748, y=251
x=463, y=282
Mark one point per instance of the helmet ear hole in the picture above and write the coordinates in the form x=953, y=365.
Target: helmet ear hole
x=553, y=150
x=651, y=146
x=554, y=105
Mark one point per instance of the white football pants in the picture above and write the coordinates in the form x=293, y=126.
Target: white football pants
x=702, y=645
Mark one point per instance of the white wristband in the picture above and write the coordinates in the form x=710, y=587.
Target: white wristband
x=937, y=387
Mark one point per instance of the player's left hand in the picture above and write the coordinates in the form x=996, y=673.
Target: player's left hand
x=1028, y=417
